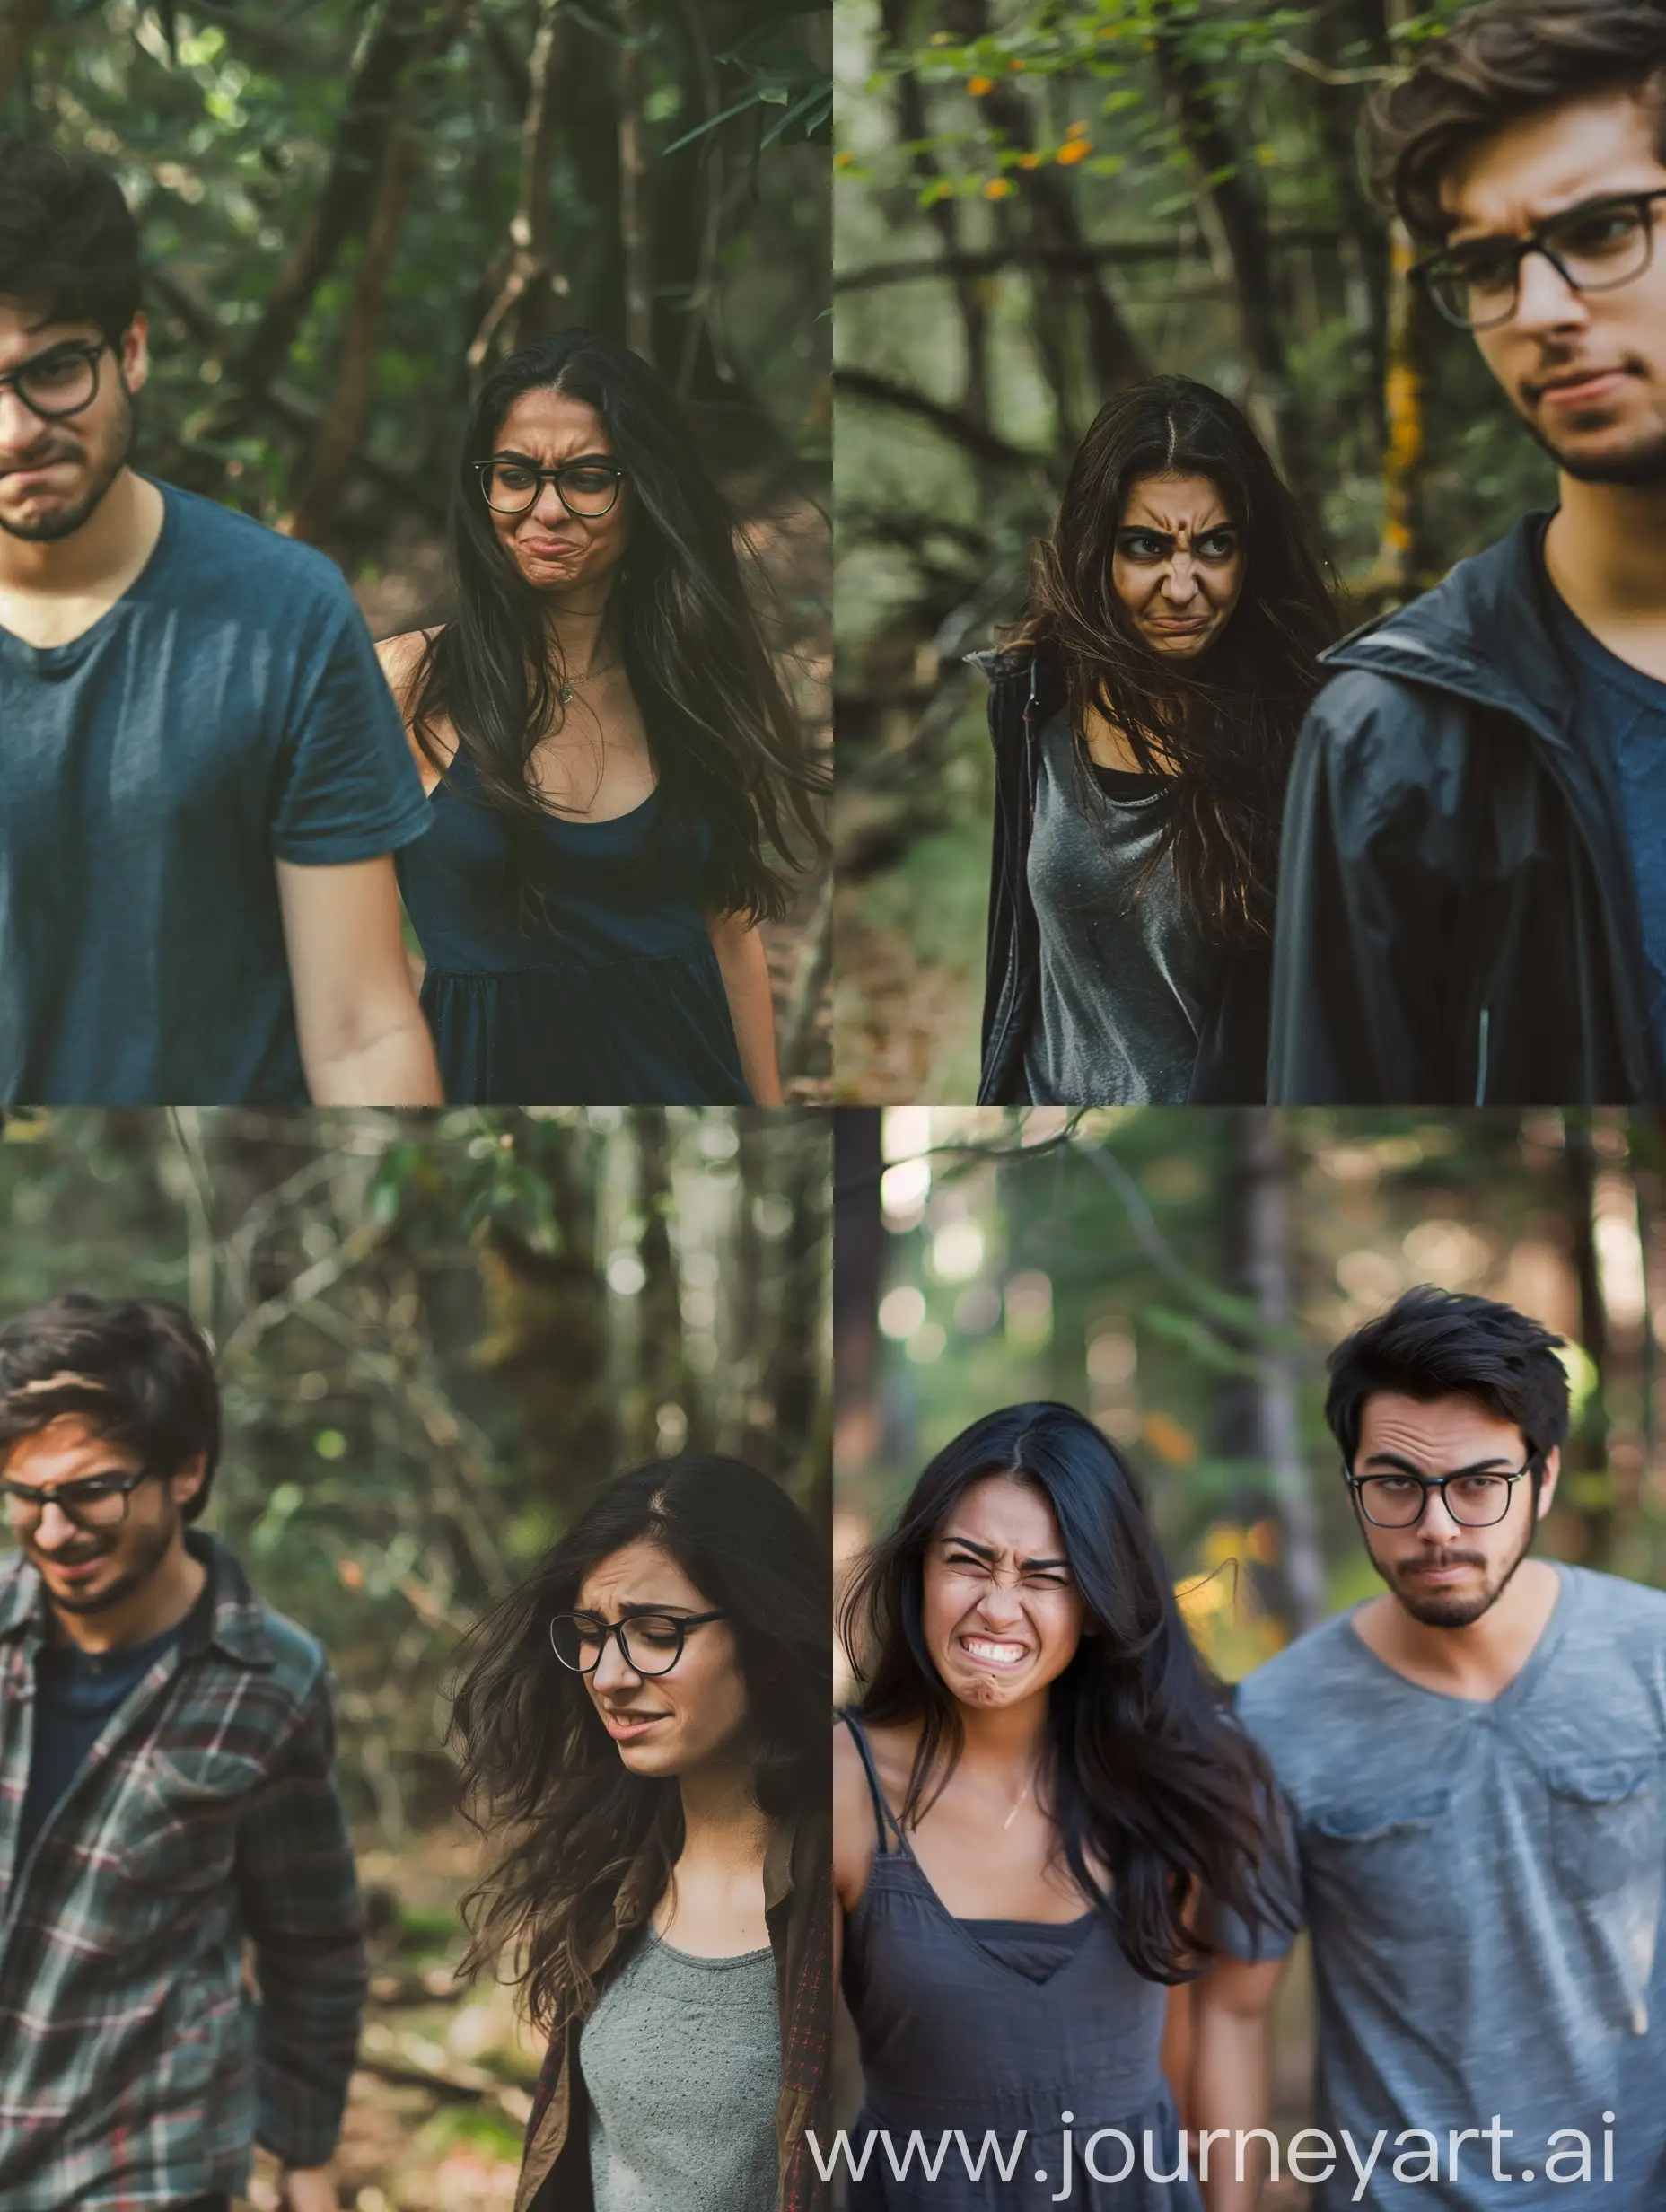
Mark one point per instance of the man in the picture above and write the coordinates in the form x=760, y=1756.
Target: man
x=203, y=771
x=1471, y=1767
x=1473, y=892
x=166, y=1795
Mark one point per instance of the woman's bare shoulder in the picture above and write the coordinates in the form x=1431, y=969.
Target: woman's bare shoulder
x=401, y=656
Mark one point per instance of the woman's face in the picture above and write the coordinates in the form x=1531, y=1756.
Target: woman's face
x=1177, y=565
x=663, y=1724
x=1002, y=1612
x=556, y=551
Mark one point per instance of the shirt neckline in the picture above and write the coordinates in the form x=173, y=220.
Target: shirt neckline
x=1513, y=1691
x=63, y=655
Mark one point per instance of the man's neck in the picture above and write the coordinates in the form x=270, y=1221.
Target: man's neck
x=160, y=1603
x=1606, y=553
x=51, y=595
x=1476, y=1663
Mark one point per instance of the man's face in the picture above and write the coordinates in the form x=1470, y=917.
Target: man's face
x=54, y=472
x=87, y=1569
x=1586, y=372
x=1447, y=1575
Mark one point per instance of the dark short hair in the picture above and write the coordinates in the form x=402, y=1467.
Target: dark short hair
x=1451, y=1344
x=67, y=239
x=1510, y=59
x=137, y=1370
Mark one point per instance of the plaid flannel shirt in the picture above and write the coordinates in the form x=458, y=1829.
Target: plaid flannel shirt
x=798, y=1907
x=136, y=2068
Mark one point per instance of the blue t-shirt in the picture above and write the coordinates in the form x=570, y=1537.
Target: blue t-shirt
x=75, y=1693
x=1484, y=1885
x=1630, y=709
x=227, y=712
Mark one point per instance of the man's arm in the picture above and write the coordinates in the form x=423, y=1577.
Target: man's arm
x=299, y=1905
x=364, y=1040
x=1366, y=935
x=1231, y=2073
x=740, y=948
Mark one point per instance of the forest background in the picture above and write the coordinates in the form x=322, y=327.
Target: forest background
x=1035, y=205
x=350, y=208
x=437, y=1336
x=1181, y=1275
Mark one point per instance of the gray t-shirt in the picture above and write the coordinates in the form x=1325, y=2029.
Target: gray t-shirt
x=226, y=713
x=1123, y=979
x=681, y=2060
x=1482, y=1886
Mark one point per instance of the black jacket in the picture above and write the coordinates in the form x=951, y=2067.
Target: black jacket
x=1026, y=689
x=1458, y=920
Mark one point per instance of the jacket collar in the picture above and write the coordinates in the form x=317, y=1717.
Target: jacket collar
x=227, y=1615
x=1486, y=631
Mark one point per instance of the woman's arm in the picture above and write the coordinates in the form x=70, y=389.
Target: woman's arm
x=739, y=949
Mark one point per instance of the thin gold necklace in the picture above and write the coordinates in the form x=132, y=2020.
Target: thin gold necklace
x=571, y=683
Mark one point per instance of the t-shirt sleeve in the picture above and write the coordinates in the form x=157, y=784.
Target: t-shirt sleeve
x=1276, y=1883
x=347, y=788
x=1276, y=1886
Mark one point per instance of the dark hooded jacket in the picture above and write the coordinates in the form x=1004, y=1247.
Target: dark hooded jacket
x=1458, y=921
x=1026, y=689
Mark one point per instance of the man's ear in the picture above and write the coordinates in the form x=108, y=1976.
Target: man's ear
x=1548, y=1481
x=134, y=352
x=184, y=1481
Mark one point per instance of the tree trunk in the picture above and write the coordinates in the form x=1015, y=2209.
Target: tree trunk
x=22, y=22
x=858, y=1261
x=635, y=241
x=344, y=205
x=1249, y=246
x=914, y=129
x=528, y=279
x=665, y=1380
x=1393, y=576
x=1260, y=1419
x=347, y=409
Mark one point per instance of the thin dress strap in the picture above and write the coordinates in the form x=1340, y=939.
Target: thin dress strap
x=884, y=1818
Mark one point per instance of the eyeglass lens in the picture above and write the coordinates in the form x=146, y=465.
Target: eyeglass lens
x=511, y=488
x=651, y=1642
x=1594, y=248
x=1397, y=1501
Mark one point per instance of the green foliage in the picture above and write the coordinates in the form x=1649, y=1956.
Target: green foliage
x=225, y=120
x=437, y=1336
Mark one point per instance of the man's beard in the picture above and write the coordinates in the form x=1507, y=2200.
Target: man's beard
x=65, y=521
x=1441, y=1609
x=1640, y=467
x=144, y=1564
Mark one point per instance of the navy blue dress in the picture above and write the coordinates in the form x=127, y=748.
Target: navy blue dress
x=613, y=997
x=1039, y=2035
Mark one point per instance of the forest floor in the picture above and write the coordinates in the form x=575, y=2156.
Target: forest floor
x=791, y=541
x=437, y=2109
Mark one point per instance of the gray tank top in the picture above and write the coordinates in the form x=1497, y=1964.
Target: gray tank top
x=1124, y=981
x=681, y=2060
x=998, y=2027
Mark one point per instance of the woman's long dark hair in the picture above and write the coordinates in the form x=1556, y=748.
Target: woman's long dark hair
x=537, y=1760
x=1224, y=729
x=1146, y=1774
x=724, y=734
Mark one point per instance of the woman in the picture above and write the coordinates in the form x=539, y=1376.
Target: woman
x=645, y=1717
x=1143, y=727
x=608, y=750
x=1036, y=1791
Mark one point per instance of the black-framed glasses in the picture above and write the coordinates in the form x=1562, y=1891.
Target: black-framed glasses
x=586, y=489
x=649, y=1643
x=61, y=382
x=90, y=1502
x=1475, y=1501
x=1593, y=247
